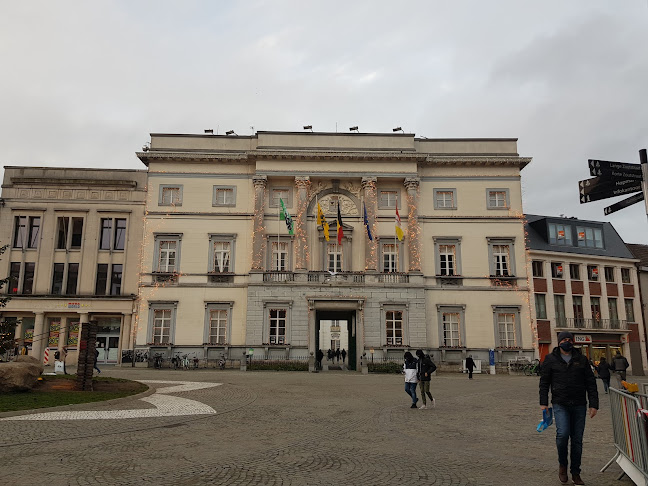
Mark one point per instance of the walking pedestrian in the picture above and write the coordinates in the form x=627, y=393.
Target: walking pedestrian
x=620, y=365
x=568, y=374
x=319, y=356
x=409, y=368
x=603, y=370
x=337, y=354
x=329, y=355
x=95, y=361
x=470, y=364
x=344, y=353
x=425, y=368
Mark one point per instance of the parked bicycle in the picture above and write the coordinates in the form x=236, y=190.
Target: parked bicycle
x=196, y=361
x=532, y=368
x=185, y=361
x=176, y=361
x=222, y=362
x=157, y=361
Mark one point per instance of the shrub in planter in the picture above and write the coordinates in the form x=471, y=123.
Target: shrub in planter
x=386, y=367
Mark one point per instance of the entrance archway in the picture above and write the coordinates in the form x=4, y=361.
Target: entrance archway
x=339, y=330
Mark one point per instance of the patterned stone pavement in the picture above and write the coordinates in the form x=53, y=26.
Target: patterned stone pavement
x=281, y=428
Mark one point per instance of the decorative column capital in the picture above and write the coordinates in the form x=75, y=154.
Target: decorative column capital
x=302, y=181
x=369, y=182
x=412, y=183
x=259, y=180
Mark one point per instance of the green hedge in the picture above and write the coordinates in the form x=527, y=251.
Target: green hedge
x=278, y=366
x=385, y=367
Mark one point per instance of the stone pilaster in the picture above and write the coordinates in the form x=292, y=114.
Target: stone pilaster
x=302, y=252
x=258, y=237
x=126, y=333
x=40, y=338
x=370, y=202
x=413, y=228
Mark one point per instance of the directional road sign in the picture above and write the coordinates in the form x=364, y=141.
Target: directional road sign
x=599, y=188
x=619, y=170
x=635, y=198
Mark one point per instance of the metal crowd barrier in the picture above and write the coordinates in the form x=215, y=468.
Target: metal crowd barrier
x=630, y=426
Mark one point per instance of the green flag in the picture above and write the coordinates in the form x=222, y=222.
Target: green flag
x=284, y=216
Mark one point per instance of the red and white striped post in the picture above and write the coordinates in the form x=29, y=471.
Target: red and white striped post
x=46, y=357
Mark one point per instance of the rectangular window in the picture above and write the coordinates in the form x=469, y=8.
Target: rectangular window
x=388, y=199
x=541, y=306
x=614, y=313
x=537, y=267
x=609, y=274
x=57, y=278
x=278, y=326
x=217, y=326
x=574, y=271
x=28, y=277
x=390, y=257
x=589, y=237
x=106, y=231
x=279, y=256
x=577, y=306
x=592, y=272
x=26, y=231
x=69, y=234
x=559, y=305
x=560, y=234
x=120, y=234
x=116, y=279
x=445, y=199
x=394, y=323
x=14, y=275
x=451, y=335
x=501, y=259
x=161, y=326
x=72, y=279
x=334, y=254
x=595, y=304
x=556, y=270
x=170, y=195
x=629, y=308
x=102, y=279
x=283, y=194
x=222, y=253
x=506, y=326
x=625, y=275
x=498, y=199
x=225, y=196
x=447, y=260
x=167, y=256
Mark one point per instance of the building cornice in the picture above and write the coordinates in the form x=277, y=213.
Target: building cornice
x=520, y=162
x=562, y=255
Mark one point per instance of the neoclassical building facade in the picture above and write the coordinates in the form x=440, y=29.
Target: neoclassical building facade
x=224, y=274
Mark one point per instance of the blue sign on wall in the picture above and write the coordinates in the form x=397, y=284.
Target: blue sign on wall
x=491, y=357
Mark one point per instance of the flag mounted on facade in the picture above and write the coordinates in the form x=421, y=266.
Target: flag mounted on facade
x=340, y=231
x=321, y=220
x=366, y=222
x=284, y=216
x=399, y=229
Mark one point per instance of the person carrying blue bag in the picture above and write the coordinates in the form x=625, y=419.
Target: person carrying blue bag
x=569, y=376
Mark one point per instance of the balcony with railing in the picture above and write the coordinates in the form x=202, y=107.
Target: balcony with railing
x=591, y=324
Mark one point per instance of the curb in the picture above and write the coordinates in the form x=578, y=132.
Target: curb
x=66, y=408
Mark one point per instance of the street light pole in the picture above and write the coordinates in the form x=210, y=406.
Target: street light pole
x=643, y=158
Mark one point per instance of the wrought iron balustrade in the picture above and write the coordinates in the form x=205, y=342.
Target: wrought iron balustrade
x=278, y=277
x=591, y=323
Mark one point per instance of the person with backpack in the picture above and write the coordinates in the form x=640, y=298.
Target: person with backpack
x=620, y=365
x=409, y=369
x=470, y=364
x=425, y=368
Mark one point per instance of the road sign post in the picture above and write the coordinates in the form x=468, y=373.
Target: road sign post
x=643, y=158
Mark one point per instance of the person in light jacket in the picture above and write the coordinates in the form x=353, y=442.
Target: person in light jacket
x=409, y=368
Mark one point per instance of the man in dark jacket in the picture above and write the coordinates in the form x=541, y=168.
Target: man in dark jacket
x=569, y=375
x=603, y=370
x=620, y=365
x=424, y=369
x=470, y=364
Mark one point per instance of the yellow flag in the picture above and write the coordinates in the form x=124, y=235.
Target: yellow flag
x=399, y=230
x=321, y=220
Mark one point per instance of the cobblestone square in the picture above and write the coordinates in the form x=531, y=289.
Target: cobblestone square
x=283, y=428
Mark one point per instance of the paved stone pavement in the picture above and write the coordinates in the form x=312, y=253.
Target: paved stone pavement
x=283, y=428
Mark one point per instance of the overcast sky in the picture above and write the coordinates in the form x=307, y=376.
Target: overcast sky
x=84, y=83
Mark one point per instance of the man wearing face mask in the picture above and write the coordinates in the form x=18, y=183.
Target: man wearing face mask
x=568, y=373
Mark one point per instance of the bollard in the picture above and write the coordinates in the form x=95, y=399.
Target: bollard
x=244, y=362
